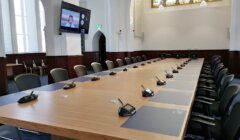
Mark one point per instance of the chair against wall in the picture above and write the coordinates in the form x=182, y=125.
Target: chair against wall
x=28, y=69
x=134, y=60
x=128, y=60
x=97, y=67
x=139, y=59
x=120, y=62
x=144, y=57
x=36, y=67
x=110, y=64
x=80, y=70
x=59, y=74
x=27, y=81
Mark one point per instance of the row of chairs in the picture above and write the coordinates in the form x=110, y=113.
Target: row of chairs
x=60, y=74
x=30, y=81
x=216, y=109
x=35, y=66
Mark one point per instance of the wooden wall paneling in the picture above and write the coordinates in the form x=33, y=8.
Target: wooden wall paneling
x=234, y=59
x=3, y=77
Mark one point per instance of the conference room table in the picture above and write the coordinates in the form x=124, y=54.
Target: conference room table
x=90, y=111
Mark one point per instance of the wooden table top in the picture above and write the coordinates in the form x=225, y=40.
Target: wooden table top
x=13, y=65
x=87, y=111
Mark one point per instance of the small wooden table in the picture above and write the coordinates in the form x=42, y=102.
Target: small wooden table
x=10, y=69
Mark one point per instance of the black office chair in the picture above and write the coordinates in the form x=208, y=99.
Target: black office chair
x=139, y=59
x=110, y=64
x=212, y=83
x=134, y=60
x=216, y=94
x=97, y=67
x=228, y=129
x=128, y=60
x=80, y=70
x=27, y=81
x=217, y=109
x=59, y=74
x=120, y=62
x=144, y=57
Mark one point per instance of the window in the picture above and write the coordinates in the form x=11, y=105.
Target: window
x=7, y=32
x=26, y=26
x=167, y=3
x=42, y=24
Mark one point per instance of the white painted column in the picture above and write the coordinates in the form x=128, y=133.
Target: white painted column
x=2, y=44
x=235, y=26
x=66, y=44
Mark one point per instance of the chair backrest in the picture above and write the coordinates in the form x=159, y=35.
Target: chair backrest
x=224, y=83
x=139, y=59
x=110, y=64
x=28, y=63
x=120, y=62
x=232, y=124
x=128, y=60
x=59, y=74
x=80, y=70
x=144, y=57
x=38, y=62
x=230, y=92
x=221, y=74
x=217, y=70
x=27, y=81
x=97, y=67
x=134, y=60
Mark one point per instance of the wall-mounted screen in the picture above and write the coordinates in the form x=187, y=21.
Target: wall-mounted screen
x=74, y=19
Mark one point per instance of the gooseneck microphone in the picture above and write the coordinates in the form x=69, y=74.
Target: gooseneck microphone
x=160, y=82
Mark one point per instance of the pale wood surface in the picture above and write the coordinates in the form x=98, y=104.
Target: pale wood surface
x=87, y=112
x=10, y=67
x=13, y=65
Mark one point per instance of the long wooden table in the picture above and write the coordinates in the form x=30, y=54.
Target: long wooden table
x=89, y=111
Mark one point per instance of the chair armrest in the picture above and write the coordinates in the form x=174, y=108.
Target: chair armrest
x=203, y=121
x=206, y=87
x=28, y=131
x=206, y=90
x=202, y=101
x=205, y=98
x=195, y=114
x=194, y=137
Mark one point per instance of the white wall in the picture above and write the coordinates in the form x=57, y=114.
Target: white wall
x=235, y=26
x=59, y=45
x=2, y=49
x=189, y=27
x=113, y=15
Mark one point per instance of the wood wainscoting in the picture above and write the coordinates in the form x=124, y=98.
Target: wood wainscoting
x=66, y=62
x=230, y=59
x=3, y=75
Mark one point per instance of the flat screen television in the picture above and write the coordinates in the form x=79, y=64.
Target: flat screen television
x=74, y=19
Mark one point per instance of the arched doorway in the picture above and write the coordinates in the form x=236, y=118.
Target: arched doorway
x=99, y=46
x=102, y=50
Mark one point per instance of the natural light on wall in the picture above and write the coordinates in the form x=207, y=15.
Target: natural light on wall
x=23, y=26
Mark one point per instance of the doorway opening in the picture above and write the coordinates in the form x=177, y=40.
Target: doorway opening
x=102, y=50
x=99, y=47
